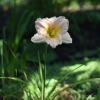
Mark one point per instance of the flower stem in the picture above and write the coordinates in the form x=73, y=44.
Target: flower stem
x=44, y=74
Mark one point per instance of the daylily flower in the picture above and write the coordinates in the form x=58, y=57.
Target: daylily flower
x=52, y=30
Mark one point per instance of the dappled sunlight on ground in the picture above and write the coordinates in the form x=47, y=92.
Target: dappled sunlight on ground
x=85, y=70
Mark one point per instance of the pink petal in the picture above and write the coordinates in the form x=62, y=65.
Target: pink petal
x=62, y=23
x=41, y=23
x=38, y=38
x=55, y=41
x=66, y=38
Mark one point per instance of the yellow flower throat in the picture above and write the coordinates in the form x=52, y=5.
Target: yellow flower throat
x=52, y=31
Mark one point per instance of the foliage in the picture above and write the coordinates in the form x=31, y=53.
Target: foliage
x=12, y=42
x=32, y=88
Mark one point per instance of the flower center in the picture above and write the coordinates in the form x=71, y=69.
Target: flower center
x=53, y=31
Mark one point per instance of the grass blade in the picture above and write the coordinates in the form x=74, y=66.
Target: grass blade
x=60, y=80
x=21, y=28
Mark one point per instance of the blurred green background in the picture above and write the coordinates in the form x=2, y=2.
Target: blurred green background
x=17, y=26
